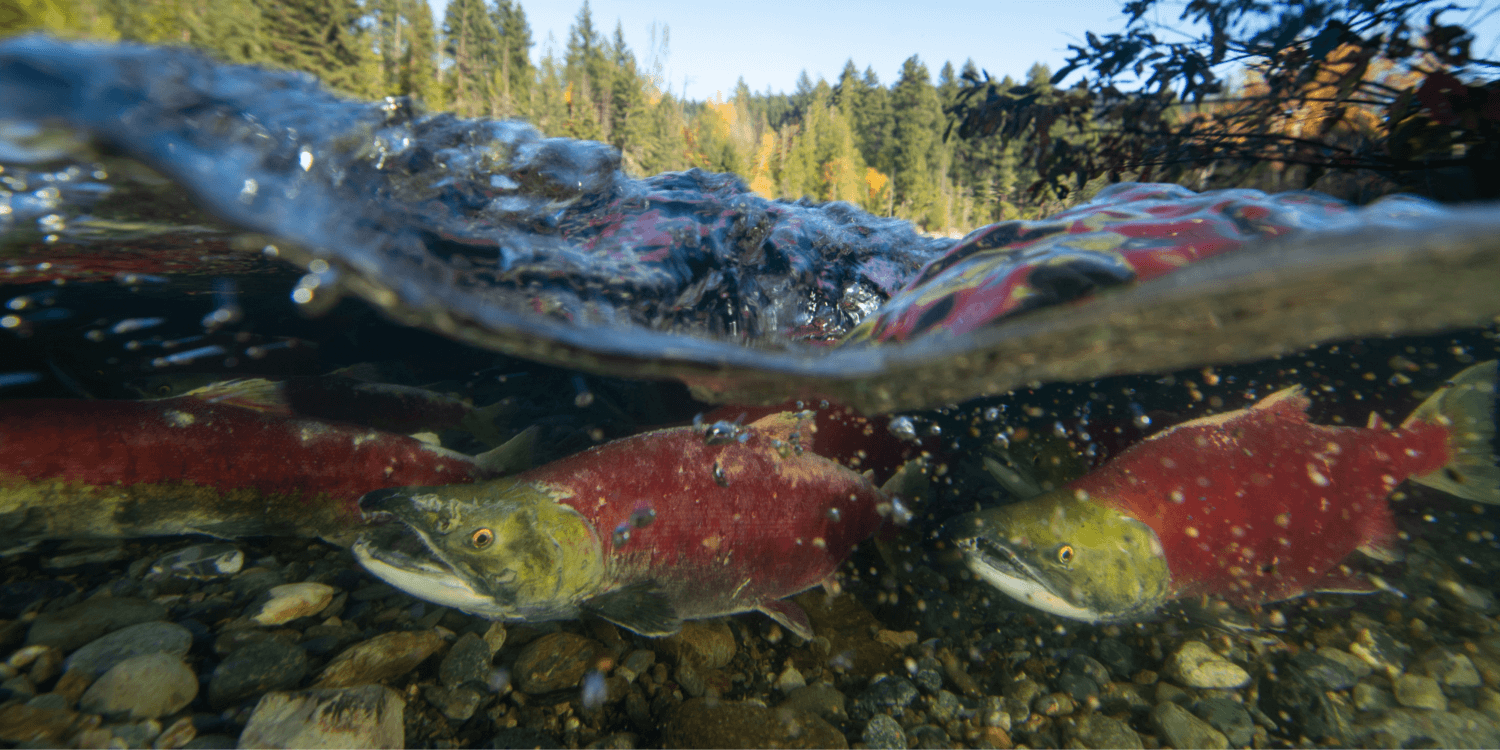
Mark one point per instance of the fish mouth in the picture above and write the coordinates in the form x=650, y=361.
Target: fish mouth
x=997, y=564
x=395, y=553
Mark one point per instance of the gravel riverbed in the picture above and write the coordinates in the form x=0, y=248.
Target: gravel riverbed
x=194, y=643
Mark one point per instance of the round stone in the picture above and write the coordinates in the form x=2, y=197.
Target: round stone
x=99, y=655
x=142, y=687
x=1196, y=665
x=291, y=601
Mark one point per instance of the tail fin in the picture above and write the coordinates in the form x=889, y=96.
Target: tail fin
x=1467, y=407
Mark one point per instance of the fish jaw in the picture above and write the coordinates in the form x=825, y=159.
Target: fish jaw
x=415, y=573
x=505, y=549
x=1066, y=555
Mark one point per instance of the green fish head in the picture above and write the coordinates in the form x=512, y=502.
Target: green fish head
x=1065, y=554
x=503, y=549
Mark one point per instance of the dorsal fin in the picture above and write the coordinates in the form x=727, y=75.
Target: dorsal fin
x=513, y=457
x=258, y=394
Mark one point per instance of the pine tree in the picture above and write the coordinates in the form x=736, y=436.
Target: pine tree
x=873, y=121
x=322, y=37
x=471, y=46
x=418, y=70
x=590, y=78
x=93, y=19
x=516, y=75
x=914, y=151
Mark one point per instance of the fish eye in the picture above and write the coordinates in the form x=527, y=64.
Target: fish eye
x=1065, y=554
x=482, y=538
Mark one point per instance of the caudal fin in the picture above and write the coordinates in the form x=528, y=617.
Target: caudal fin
x=1467, y=408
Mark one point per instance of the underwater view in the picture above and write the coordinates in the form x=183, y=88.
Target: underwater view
x=338, y=423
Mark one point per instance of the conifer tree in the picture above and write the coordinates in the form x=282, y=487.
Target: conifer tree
x=471, y=46
x=418, y=69
x=516, y=75
x=322, y=37
x=590, y=78
x=93, y=19
x=872, y=121
x=914, y=151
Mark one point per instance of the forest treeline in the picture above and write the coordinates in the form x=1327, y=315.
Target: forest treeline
x=878, y=145
x=1355, y=99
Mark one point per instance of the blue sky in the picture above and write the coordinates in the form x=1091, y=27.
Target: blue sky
x=770, y=42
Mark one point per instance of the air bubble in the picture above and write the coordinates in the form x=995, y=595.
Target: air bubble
x=903, y=428
x=594, y=691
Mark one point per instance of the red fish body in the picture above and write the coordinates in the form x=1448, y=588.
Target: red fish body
x=71, y=468
x=1254, y=506
x=651, y=529
x=1260, y=505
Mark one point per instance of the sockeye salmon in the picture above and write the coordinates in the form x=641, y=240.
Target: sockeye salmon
x=1254, y=506
x=643, y=532
x=190, y=464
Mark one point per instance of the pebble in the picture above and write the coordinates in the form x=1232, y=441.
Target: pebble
x=179, y=734
x=1097, y=730
x=1328, y=673
x=74, y=626
x=1054, y=704
x=271, y=664
x=1405, y=727
x=688, y=679
x=705, y=723
x=142, y=687
x=709, y=644
x=365, y=716
x=1227, y=716
x=1369, y=697
x=1450, y=668
x=636, y=662
x=1087, y=666
x=97, y=656
x=819, y=698
x=467, y=660
x=381, y=658
x=1119, y=657
x=555, y=661
x=1179, y=728
x=883, y=731
x=290, y=601
x=890, y=694
x=1418, y=691
x=929, y=737
x=790, y=679
x=1356, y=666
x=458, y=703
x=1194, y=664
x=20, y=723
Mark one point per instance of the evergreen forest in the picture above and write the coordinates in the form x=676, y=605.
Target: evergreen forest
x=949, y=152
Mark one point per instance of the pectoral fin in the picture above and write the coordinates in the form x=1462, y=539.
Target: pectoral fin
x=639, y=607
x=790, y=616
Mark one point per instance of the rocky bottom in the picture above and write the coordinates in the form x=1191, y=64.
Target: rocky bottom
x=187, y=643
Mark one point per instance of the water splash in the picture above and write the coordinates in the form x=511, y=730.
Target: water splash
x=492, y=234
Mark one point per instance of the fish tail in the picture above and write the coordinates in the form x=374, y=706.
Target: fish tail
x=1466, y=407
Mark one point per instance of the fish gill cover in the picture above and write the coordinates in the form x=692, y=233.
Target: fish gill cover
x=542, y=247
